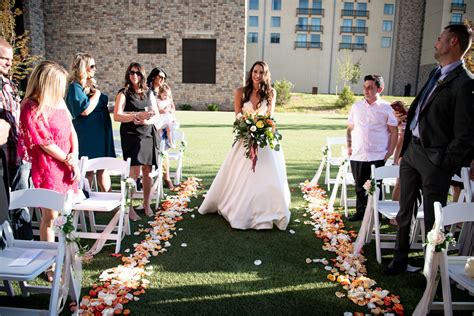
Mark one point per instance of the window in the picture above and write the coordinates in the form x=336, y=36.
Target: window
x=347, y=23
x=253, y=20
x=359, y=39
x=276, y=5
x=387, y=26
x=386, y=42
x=151, y=45
x=253, y=4
x=388, y=9
x=302, y=21
x=275, y=38
x=252, y=37
x=315, y=38
x=456, y=18
x=347, y=39
x=316, y=21
x=304, y=4
x=361, y=6
x=349, y=6
x=199, y=61
x=317, y=4
x=301, y=38
x=275, y=21
x=360, y=23
x=458, y=1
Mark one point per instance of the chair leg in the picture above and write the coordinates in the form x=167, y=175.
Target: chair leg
x=8, y=288
x=120, y=229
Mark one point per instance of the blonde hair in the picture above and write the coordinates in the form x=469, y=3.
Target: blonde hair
x=165, y=88
x=47, y=86
x=79, y=65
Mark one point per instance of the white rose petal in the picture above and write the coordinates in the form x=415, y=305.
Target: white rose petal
x=292, y=231
x=328, y=268
x=184, y=245
x=126, y=250
x=257, y=262
x=297, y=221
x=193, y=216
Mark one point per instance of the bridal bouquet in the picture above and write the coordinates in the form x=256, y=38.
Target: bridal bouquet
x=256, y=131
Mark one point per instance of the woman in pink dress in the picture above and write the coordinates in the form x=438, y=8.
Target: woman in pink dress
x=47, y=137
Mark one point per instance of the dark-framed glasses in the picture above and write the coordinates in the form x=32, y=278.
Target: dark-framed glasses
x=138, y=73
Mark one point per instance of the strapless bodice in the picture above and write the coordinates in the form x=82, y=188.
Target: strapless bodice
x=249, y=108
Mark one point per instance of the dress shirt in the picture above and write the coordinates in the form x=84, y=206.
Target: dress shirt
x=10, y=112
x=370, y=135
x=444, y=72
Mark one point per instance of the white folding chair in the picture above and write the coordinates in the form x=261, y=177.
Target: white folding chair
x=332, y=159
x=450, y=267
x=38, y=255
x=343, y=179
x=177, y=154
x=104, y=202
x=389, y=209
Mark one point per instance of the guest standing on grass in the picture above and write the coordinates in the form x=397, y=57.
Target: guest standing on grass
x=439, y=137
x=371, y=137
x=135, y=107
x=47, y=138
x=17, y=170
x=91, y=119
x=4, y=132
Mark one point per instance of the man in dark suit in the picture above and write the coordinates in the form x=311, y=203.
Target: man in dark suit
x=438, y=139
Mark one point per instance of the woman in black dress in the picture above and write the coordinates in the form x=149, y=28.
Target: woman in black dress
x=135, y=107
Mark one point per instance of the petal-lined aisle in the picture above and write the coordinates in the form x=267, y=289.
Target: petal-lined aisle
x=347, y=268
x=126, y=282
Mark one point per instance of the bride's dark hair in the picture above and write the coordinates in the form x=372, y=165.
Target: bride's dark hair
x=265, y=88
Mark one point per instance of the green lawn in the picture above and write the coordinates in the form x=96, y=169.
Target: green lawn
x=215, y=274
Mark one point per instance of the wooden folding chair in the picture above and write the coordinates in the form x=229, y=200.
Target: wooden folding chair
x=23, y=260
x=104, y=202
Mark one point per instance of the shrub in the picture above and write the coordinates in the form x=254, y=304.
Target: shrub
x=283, y=90
x=185, y=107
x=213, y=107
x=346, y=97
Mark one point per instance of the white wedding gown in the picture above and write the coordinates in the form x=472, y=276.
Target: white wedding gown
x=247, y=199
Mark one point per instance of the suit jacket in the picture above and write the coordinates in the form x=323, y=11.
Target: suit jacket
x=446, y=122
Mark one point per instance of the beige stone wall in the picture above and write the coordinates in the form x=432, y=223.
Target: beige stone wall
x=109, y=30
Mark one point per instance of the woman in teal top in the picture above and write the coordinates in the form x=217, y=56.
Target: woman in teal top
x=91, y=119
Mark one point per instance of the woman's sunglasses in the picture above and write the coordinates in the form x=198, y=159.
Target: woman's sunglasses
x=135, y=73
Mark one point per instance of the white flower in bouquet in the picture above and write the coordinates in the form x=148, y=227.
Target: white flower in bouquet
x=469, y=267
x=439, y=240
x=238, y=116
x=60, y=221
x=436, y=238
x=253, y=128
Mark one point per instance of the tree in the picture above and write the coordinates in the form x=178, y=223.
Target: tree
x=469, y=57
x=348, y=71
x=22, y=60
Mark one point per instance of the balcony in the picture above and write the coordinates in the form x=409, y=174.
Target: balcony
x=309, y=28
x=355, y=30
x=458, y=7
x=308, y=11
x=309, y=45
x=353, y=46
x=355, y=13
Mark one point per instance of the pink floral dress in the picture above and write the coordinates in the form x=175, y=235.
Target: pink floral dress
x=46, y=171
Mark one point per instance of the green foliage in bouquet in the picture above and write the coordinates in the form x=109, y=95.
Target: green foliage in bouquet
x=256, y=131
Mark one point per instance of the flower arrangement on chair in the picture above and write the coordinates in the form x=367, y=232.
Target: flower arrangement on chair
x=256, y=131
x=369, y=186
x=439, y=240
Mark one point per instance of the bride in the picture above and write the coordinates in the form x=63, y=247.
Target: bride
x=247, y=199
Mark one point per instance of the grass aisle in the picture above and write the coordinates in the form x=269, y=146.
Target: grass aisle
x=215, y=274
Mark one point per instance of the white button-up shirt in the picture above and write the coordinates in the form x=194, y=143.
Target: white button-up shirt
x=370, y=135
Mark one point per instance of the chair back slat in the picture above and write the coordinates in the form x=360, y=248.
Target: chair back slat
x=37, y=198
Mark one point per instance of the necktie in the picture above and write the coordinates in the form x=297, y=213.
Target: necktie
x=424, y=96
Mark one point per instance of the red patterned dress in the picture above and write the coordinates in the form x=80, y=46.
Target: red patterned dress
x=46, y=171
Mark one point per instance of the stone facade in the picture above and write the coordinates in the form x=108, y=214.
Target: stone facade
x=108, y=30
x=409, y=31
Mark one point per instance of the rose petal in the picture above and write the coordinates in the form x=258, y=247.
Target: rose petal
x=257, y=262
